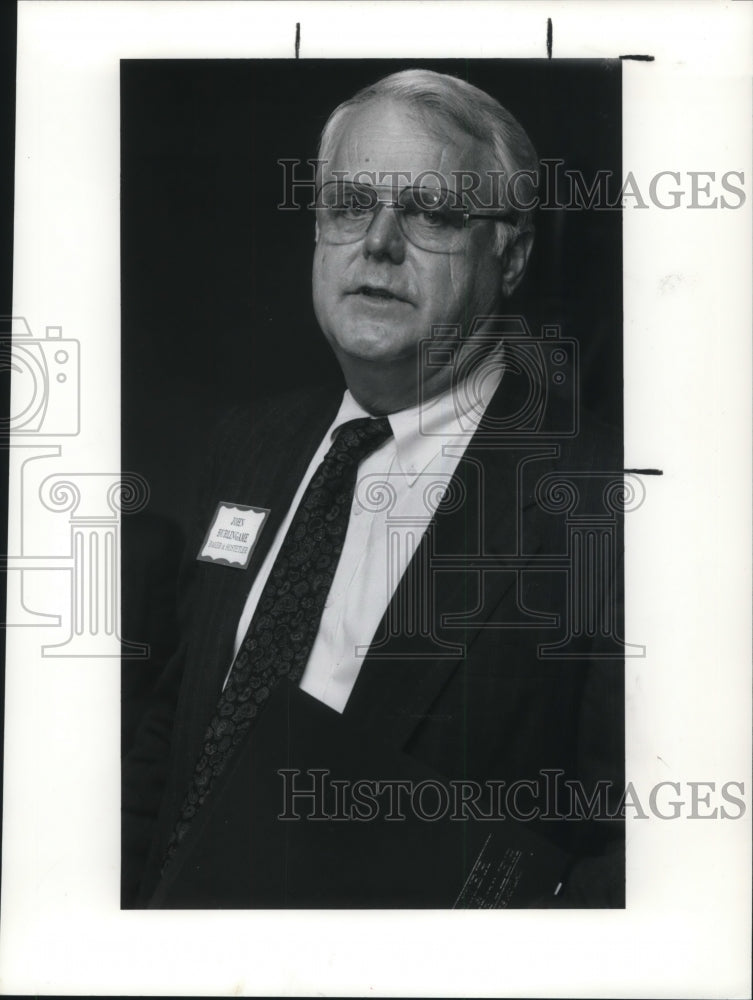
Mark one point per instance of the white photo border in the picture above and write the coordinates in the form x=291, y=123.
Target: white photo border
x=687, y=310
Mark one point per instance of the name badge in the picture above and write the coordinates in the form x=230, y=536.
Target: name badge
x=233, y=534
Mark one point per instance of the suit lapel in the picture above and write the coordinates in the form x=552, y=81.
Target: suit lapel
x=254, y=476
x=270, y=481
x=406, y=669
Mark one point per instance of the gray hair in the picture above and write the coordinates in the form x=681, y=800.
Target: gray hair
x=474, y=112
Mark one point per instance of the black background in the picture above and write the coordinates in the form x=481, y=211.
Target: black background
x=216, y=287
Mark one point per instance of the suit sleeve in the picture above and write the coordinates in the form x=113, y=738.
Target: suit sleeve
x=597, y=876
x=145, y=767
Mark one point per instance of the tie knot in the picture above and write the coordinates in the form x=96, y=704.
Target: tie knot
x=358, y=438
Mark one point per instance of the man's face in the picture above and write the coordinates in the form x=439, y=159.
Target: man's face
x=375, y=299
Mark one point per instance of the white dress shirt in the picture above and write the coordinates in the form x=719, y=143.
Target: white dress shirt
x=393, y=504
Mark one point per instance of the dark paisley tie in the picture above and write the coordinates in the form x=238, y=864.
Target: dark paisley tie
x=286, y=620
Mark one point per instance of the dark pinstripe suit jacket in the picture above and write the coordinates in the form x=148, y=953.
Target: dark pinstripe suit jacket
x=477, y=697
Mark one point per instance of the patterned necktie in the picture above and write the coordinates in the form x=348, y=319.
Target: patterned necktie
x=286, y=620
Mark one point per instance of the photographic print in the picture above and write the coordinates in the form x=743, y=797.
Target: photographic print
x=461, y=642
x=378, y=501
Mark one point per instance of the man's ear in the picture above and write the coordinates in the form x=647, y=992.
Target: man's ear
x=514, y=261
x=316, y=232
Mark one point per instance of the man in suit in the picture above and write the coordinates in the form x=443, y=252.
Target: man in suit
x=389, y=587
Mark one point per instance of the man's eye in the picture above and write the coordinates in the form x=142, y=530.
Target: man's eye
x=435, y=219
x=429, y=218
x=353, y=208
x=428, y=211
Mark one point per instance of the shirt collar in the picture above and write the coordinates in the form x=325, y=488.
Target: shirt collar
x=421, y=432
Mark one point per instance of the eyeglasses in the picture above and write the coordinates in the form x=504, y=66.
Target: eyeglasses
x=432, y=219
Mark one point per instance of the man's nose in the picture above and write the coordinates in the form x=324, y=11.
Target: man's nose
x=384, y=237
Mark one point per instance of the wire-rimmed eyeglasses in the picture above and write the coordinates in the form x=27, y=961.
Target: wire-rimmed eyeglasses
x=433, y=219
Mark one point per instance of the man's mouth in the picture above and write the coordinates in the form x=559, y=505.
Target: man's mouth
x=373, y=292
